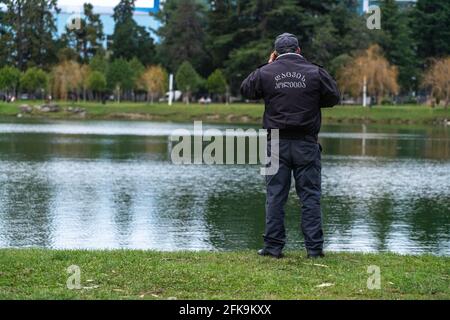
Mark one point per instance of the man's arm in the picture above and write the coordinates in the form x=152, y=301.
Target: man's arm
x=329, y=92
x=251, y=87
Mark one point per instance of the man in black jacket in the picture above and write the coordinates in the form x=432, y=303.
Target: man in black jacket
x=294, y=91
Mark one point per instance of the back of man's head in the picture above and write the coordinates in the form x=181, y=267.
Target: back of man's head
x=286, y=43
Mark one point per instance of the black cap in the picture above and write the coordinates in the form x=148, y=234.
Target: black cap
x=286, y=42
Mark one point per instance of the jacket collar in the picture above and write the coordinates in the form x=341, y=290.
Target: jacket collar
x=290, y=55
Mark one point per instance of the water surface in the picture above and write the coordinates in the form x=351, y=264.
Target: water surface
x=106, y=184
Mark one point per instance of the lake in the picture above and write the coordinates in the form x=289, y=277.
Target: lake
x=111, y=184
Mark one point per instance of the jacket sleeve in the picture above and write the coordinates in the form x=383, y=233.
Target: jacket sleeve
x=329, y=92
x=251, y=87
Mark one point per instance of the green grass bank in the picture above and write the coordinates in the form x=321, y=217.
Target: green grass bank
x=234, y=113
x=42, y=274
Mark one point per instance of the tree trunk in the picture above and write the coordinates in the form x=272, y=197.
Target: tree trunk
x=446, y=100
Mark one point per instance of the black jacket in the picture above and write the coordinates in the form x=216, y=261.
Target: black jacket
x=294, y=91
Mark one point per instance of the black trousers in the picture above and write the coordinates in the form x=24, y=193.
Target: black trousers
x=301, y=159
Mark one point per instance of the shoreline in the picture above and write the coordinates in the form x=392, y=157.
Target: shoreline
x=250, y=114
x=137, y=274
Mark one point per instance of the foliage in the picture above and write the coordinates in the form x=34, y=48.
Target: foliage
x=397, y=41
x=137, y=68
x=182, y=34
x=34, y=79
x=9, y=78
x=97, y=82
x=187, y=79
x=431, y=28
x=120, y=77
x=154, y=81
x=27, y=29
x=86, y=40
x=216, y=82
x=371, y=65
x=438, y=80
x=130, y=40
x=233, y=36
x=99, y=63
x=66, y=77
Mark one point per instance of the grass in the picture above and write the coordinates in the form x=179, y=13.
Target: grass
x=42, y=274
x=236, y=113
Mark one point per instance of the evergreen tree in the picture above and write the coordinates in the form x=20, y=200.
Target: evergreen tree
x=431, y=28
x=397, y=42
x=30, y=27
x=87, y=39
x=129, y=39
x=254, y=26
x=183, y=34
x=221, y=24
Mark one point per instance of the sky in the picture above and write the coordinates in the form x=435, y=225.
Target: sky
x=106, y=6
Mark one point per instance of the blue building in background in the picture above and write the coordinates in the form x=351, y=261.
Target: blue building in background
x=363, y=5
x=73, y=8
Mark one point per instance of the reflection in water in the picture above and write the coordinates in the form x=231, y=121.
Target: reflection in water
x=111, y=185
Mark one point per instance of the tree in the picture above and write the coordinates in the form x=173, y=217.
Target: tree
x=182, y=34
x=87, y=39
x=216, y=83
x=221, y=24
x=240, y=34
x=9, y=79
x=324, y=44
x=437, y=78
x=34, y=79
x=130, y=40
x=67, y=77
x=137, y=68
x=430, y=26
x=350, y=27
x=120, y=77
x=30, y=27
x=187, y=80
x=154, y=81
x=99, y=63
x=398, y=43
x=96, y=82
x=373, y=67
x=66, y=54
x=85, y=71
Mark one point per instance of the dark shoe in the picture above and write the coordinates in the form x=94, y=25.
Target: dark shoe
x=265, y=253
x=316, y=255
